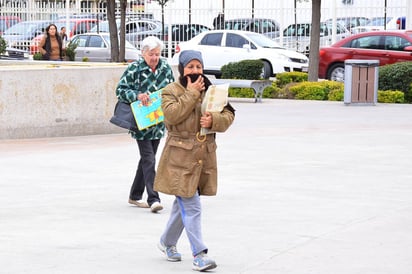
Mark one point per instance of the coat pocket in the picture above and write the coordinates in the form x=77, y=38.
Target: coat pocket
x=181, y=153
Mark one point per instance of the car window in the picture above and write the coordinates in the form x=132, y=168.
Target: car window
x=96, y=42
x=253, y=26
x=3, y=25
x=340, y=29
x=132, y=27
x=80, y=40
x=303, y=30
x=368, y=42
x=212, y=39
x=269, y=26
x=396, y=43
x=235, y=41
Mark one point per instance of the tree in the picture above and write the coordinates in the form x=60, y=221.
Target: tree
x=163, y=3
x=314, y=42
x=118, y=52
x=122, y=51
x=114, y=41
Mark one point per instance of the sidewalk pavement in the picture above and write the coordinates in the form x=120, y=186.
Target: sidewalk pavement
x=304, y=187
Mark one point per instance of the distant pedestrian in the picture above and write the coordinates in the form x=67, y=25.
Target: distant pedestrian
x=64, y=37
x=51, y=45
x=219, y=21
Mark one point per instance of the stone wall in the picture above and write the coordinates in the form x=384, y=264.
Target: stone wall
x=49, y=99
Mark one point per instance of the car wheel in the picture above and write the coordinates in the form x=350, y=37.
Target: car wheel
x=266, y=71
x=337, y=72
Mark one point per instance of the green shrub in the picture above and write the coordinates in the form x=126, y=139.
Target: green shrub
x=37, y=56
x=245, y=69
x=285, y=78
x=391, y=96
x=335, y=95
x=333, y=90
x=70, y=52
x=271, y=92
x=309, y=91
x=3, y=45
x=397, y=76
x=285, y=92
x=241, y=92
x=268, y=92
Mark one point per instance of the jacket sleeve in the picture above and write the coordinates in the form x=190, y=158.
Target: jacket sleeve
x=126, y=90
x=222, y=120
x=176, y=105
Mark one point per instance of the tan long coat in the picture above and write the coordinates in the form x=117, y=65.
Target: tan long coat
x=187, y=164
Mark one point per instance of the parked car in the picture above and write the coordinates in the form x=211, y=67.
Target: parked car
x=220, y=47
x=14, y=54
x=266, y=26
x=350, y=22
x=376, y=23
x=386, y=46
x=8, y=21
x=392, y=23
x=135, y=30
x=180, y=32
x=76, y=26
x=297, y=36
x=19, y=36
x=96, y=48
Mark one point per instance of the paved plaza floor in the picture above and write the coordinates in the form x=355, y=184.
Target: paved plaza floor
x=305, y=187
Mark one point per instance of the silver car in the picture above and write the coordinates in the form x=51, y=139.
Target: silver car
x=96, y=48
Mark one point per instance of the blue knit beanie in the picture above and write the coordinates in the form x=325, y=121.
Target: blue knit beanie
x=188, y=55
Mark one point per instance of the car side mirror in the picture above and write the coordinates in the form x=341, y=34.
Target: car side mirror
x=246, y=46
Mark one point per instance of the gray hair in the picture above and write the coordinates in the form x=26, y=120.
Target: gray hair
x=151, y=42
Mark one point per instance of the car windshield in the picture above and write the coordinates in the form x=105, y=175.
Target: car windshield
x=236, y=25
x=21, y=29
x=378, y=21
x=263, y=41
x=104, y=26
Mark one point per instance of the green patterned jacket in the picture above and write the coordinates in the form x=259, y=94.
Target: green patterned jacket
x=139, y=78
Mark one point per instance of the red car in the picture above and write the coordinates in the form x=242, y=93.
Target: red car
x=8, y=21
x=386, y=46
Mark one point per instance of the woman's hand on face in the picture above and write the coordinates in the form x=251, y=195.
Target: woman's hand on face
x=198, y=85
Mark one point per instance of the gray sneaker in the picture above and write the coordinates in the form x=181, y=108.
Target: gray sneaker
x=202, y=262
x=170, y=252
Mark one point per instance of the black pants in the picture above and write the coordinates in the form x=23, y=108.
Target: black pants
x=145, y=172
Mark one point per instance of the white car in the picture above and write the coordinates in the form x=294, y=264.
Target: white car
x=220, y=47
x=378, y=23
x=297, y=36
x=96, y=48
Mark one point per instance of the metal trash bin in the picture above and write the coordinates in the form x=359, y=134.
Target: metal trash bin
x=361, y=81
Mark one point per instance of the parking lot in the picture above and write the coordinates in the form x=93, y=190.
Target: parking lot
x=304, y=187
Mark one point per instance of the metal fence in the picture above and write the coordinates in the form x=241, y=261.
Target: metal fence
x=291, y=28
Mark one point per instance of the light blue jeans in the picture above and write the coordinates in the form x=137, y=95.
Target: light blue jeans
x=185, y=214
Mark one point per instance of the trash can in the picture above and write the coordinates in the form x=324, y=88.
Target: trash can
x=361, y=81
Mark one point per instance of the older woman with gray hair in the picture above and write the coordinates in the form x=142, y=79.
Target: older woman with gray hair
x=148, y=74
